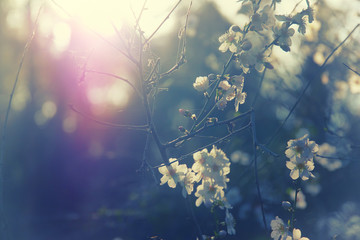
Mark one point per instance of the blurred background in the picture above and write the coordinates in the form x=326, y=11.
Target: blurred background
x=68, y=177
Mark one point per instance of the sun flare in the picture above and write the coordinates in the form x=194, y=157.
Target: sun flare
x=103, y=16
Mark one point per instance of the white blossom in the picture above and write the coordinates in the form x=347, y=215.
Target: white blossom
x=173, y=173
x=280, y=231
x=201, y=84
x=229, y=40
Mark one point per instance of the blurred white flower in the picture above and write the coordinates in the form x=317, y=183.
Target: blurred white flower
x=280, y=231
x=188, y=183
x=327, y=158
x=229, y=40
x=297, y=235
x=201, y=84
x=240, y=157
x=301, y=200
x=230, y=223
x=354, y=83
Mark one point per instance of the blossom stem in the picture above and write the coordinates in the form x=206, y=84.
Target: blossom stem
x=297, y=190
x=255, y=144
x=213, y=91
x=216, y=124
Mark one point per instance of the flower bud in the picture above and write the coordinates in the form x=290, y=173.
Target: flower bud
x=235, y=28
x=268, y=65
x=185, y=113
x=211, y=76
x=246, y=46
x=286, y=205
x=222, y=233
x=182, y=129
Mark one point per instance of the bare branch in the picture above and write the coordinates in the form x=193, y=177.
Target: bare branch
x=210, y=144
x=255, y=144
x=3, y=220
x=216, y=124
x=117, y=77
x=354, y=71
x=99, y=35
x=166, y=18
x=337, y=47
x=128, y=127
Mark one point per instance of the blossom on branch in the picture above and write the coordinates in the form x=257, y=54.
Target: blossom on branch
x=301, y=152
x=208, y=192
x=301, y=149
x=173, y=173
x=230, y=40
x=201, y=84
x=280, y=231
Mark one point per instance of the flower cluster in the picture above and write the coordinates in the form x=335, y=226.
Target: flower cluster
x=251, y=44
x=301, y=152
x=211, y=169
x=229, y=89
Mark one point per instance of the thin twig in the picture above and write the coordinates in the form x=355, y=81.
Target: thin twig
x=117, y=77
x=99, y=35
x=3, y=220
x=166, y=18
x=259, y=88
x=210, y=144
x=289, y=114
x=253, y=130
x=305, y=88
x=337, y=47
x=145, y=160
x=114, y=125
x=213, y=91
x=354, y=71
x=216, y=124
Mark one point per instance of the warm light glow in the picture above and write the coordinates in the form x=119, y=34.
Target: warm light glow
x=102, y=16
x=114, y=95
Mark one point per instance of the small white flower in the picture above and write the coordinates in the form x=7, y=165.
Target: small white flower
x=201, y=84
x=229, y=40
x=188, y=183
x=301, y=149
x=239, y=99
x=221, y=104
x=279, y=230
x=224, y=85
x=300, y=200
x=207, y=193
x=300, y=169
x=172, y=174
